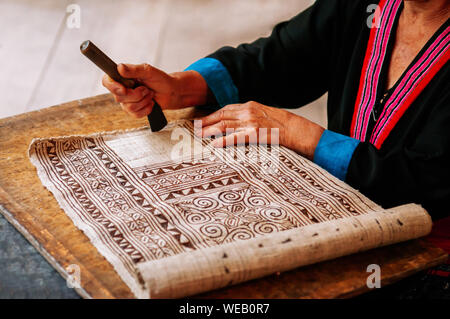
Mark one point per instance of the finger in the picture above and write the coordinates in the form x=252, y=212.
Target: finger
x=140, y=71
x=144, y=112
x=133, y=95
x=113, y=86
x=230, y=112
x=222, y=127
x=248, y=136
x=137, y=106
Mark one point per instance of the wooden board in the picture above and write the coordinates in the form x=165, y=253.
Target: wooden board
x=36, y=214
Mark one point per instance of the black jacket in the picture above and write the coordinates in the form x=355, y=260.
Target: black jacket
x=322, y=50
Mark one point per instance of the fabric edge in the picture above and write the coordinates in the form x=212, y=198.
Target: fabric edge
x=298, y=158
x=138, y=288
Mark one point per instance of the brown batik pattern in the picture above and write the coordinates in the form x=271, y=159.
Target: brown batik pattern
x=163, y=209
x=214, y=200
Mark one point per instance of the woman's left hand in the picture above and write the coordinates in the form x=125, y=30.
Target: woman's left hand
x=242, y=123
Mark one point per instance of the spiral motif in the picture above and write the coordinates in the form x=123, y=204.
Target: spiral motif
x=240, y=234
x=196, y=218
x=213, y=231
x=256, y=200
x=272, y=213
x=265, y=228
x=205, y=203
x=229, y=196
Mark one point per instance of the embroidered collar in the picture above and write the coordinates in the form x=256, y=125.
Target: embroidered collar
x=428, y=62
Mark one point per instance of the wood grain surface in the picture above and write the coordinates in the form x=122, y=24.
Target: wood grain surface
x=36, y=214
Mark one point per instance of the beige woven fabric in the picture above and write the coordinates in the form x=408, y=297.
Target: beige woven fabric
x=176, y=217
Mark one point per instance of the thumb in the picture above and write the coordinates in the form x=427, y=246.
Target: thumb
x=140, y=71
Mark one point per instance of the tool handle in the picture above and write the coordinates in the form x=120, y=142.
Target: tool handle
x=156, y=118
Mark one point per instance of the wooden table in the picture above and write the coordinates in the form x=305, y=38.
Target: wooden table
x=36, y=214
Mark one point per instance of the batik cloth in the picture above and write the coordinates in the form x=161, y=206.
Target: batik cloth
x=143, y=197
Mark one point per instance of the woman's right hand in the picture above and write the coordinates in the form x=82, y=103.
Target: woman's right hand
x=158, y=86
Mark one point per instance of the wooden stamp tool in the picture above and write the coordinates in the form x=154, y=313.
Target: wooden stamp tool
x=156, y=118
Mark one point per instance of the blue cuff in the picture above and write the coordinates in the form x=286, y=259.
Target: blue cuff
x=334, y=153
x=218, y=80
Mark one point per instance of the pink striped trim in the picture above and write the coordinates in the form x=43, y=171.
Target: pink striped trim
x=374, y=84
x=411, y=81
x=362, y=83
x=377, y=56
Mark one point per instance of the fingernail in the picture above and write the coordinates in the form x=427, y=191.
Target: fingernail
x=124, y=66
x=145, y=91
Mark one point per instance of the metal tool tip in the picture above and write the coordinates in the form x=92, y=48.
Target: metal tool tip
x=84, y=45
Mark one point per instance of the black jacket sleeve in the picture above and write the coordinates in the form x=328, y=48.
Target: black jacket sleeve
x=418, y=171
x=291, y=67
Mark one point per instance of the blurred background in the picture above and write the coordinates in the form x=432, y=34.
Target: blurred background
x=40, y=60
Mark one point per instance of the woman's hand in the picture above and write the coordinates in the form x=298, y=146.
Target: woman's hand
x=171, y=91
x=294, y=132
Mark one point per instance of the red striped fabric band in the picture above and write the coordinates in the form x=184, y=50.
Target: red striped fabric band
x=408, y=89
